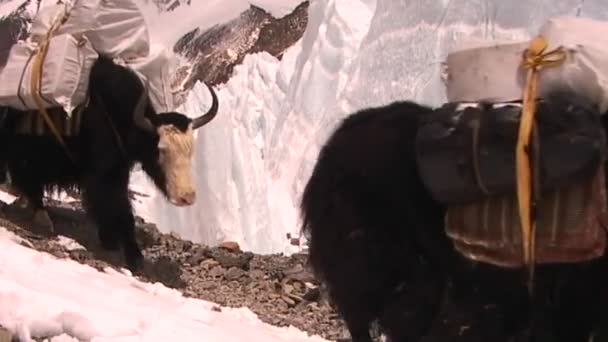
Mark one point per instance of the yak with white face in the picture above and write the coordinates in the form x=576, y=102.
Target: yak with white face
x=116, y=129
x=175, y=148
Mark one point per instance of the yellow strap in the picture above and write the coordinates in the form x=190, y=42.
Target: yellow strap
x=534, y=60
x=36, y=78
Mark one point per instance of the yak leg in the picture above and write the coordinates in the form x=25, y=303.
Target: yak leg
x=356, y=316
x=410, y=312
x=569, y=304
x=32, y=198
x=41, y=216
x=42, y=219
x=106, y=201
x=480, y=306
x=21, y=202
x=581, y=303
x=358, y=326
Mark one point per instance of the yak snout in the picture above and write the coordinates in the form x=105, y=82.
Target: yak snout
x=185, y=199
x=175, y=158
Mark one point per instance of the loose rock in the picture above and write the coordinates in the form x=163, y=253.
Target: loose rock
x=231, y=246
x=234, y=273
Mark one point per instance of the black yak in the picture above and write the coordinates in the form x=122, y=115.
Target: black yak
x=116, y=129
x=377, y=240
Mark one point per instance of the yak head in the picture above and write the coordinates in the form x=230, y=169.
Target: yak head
x=169, y=155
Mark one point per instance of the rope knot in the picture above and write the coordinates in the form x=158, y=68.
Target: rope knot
x=536, y=58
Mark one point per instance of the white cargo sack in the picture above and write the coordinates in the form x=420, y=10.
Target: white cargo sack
x=157, y=69
x=65, y=74
x=115, y=28
x=494, y=73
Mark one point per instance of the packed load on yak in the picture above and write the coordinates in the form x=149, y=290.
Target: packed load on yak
x=517, y=154
x=51, y=68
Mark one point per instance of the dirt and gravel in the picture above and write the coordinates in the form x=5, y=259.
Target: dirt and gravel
x=280, y=289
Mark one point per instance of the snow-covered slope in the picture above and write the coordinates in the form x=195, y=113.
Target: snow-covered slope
x=253, y=160
x=45, y=297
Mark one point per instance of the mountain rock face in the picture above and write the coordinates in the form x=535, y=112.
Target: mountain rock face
x=212, y=54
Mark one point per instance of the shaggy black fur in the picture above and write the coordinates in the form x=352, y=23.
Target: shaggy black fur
x=377, y=240
x=101, y=168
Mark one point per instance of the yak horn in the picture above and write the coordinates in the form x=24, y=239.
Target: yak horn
x=211, y=113
x=139, y=112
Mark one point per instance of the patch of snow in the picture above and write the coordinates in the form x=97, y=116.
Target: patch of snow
x=8, y=8
x=277, y=9
x=68, y=243
x=43, y=296
x=61, y=196
x=167, y=28
x=8, y=235
x=143, y=189
x=6, y=197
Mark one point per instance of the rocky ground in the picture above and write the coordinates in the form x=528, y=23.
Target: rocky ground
x=279, y=289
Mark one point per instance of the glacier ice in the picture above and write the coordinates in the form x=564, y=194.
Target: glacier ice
x=254, y=159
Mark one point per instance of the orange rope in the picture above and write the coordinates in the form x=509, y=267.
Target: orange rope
x=36, y=78
x=534, y=59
